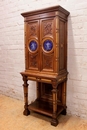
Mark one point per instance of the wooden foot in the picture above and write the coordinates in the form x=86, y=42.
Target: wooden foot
x=54, y=122
x=26, y=112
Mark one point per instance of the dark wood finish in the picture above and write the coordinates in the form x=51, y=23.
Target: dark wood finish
x=47, y=68
x=25, y=85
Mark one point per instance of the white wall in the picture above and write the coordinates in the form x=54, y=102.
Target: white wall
x=12, y=50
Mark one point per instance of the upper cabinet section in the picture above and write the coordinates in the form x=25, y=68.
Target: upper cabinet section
x=46, y=40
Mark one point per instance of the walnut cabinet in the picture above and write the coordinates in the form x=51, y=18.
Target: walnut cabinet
x=45, y=33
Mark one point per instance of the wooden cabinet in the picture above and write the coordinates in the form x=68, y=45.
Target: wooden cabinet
x=46, y=60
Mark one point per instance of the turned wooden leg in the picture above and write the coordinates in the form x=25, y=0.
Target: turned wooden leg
x=64, y=97
x=54, y=120
x=25, y=86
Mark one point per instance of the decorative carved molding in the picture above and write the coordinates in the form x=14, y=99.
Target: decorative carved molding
x=47, y=29
x=33, y=61
x=48, y=62
x=33, y=30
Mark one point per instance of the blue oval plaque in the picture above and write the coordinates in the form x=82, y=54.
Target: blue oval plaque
x=33, y=45
x=48, y=45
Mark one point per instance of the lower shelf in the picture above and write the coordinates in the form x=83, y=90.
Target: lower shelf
x=44, y=108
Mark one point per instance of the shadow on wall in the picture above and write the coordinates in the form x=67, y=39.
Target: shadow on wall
x=74, y=65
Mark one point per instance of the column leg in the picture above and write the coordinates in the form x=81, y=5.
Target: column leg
x=64, y=97
x=54, y=120
x=25, y=86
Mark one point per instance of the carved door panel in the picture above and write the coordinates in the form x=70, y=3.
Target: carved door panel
x=33, y=45
x=47, y=30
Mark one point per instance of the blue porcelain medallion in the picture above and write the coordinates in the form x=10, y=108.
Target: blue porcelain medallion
x=33, y=45
x=48, y=45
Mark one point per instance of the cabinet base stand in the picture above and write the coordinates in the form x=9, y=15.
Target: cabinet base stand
x=49, y=101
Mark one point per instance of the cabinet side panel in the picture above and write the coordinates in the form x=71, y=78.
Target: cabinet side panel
x=25, y=41
x=62, y=45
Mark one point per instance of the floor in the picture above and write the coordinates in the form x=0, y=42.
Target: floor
x=11, y=118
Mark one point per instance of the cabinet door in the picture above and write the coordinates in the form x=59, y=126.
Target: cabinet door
x=32, y=49
x=47, y=40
